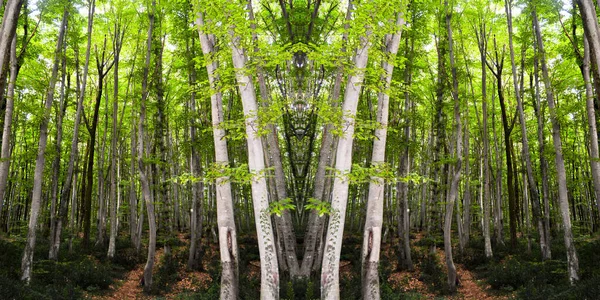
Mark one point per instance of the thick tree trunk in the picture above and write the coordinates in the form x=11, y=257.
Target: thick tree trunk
x=572, y=260
x=228, y=247
x=374, y=219
x=330, y=287
x=27, y=261
x=256, y=164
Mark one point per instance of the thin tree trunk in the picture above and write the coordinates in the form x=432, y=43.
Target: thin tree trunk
x=147, y=194
x=117, y=44
x=533, y=190
x=572, y=260
x=453, y=193
x=374, y=217
x=27, y=261
x=7, y=34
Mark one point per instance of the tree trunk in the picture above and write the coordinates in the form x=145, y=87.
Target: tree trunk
x=118, y=42
x=7, y=33
x=374, y=220
x=482, y=40
x=533, y=190
x=330, y=287
x=147, y=194
x=572, y=260
x=453, y=193
x=256, y=164
x=27, y=261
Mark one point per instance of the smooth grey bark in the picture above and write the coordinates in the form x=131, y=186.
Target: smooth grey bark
x=256, y=164
x=533, y=190
x=117, y=44
x=404, y=253
x=572, y=260
x=374, y=219
x=482, y=40
x=147, y=194
x=330, y=288
x=75, y=141
x=27, y=261
x=7, y=33
x=455, y=180
x=54, y=222
x=591, y=54
x=228, y=247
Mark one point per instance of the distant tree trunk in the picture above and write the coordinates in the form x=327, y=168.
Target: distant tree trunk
x=147, y=194
x=404, y=255
x=453, y=193
x=374, y=219
x=533, y=190
x=75, y=141
x=256, y=164
x=54, y=238
x=228, y=247
x=195, y=167
x=482, y=40
x=7, y=33
x=27, y=261
x=87, y=203
x=572, y=260
x=117, y=44
x=330, y=287
x=539, y=113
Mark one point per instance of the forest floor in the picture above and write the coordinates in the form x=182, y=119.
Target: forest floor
x=184, y=280
x=469, y=287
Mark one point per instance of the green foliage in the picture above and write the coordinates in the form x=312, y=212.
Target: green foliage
x=321, y=207
x=278, y=207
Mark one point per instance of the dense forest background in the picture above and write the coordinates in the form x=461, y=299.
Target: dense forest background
x=299, y=149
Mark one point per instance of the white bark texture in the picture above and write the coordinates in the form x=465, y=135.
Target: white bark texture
x=330, y=288
x=27, y=261
x=374, y=220
x=228, y=248
x=269, y=285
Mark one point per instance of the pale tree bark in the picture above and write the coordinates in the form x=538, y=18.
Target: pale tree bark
x=591, y=54
x=117, y=44
x=482, y=43
x=75, y=141
x=374, y=220
x=27, y=261
x=330, y=280
x=572, y=260
x=453, y=193
x=283, y=224
x=147, y=194
x=195, y=167
x=404, y=254
x=228, y=247
x=535, y=90
x=533, y=190
x=266, y=246
x=7, y=33
x=54, y=222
